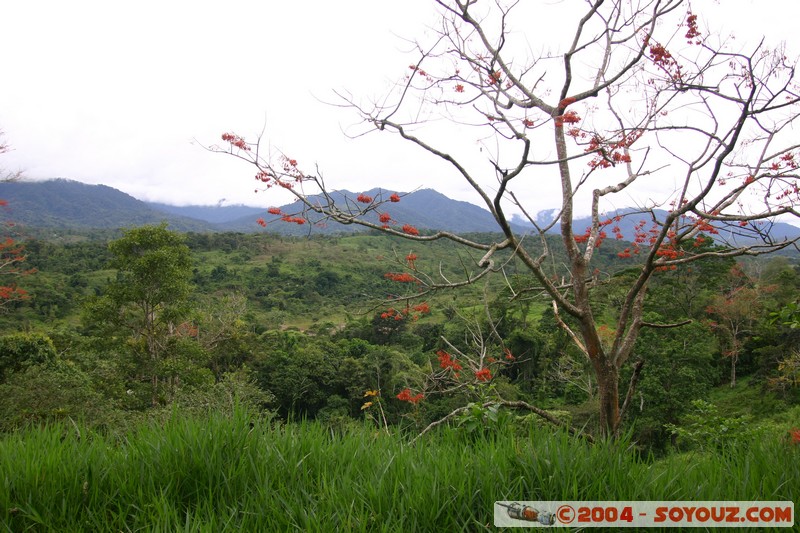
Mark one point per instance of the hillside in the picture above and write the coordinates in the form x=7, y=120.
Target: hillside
x=67, y=204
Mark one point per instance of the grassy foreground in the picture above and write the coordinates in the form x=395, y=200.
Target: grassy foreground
x=217, y=473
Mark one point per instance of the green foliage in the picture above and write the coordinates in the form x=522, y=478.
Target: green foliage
x=47, y=392
x=677, y=368
x=705, y=429
x=20, y=351
x=153, y=267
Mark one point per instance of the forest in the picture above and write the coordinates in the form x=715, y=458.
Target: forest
x=128, y=338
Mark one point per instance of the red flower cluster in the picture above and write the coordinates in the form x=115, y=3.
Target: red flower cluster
x=609, y=154
x=411, y=259
x=401, y=277
x=669, y=252
x=509, y=355
x=295, y=220
x=10, y=293
x=704, y=225
x=394, y=198
x=364, y=199
x=263, y=176
x=459, y=88
x=410, y=230
x=484, y=374
x=274, y=211
x=385, y=218
x=446, y=361
x=405, y=396
x=423, y=308
x=261, y=222
x=664, y=60
x=392, y=313
x=236, y=141
x=570, y=117
x=692, y=33
x=789, y=160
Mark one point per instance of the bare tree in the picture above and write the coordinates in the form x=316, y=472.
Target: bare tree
x=637, y=103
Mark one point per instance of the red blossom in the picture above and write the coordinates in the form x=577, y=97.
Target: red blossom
x=236, y=141
x=423, y=308
x=384, y=218
x=570, y=117
x=692, y=32
x=274, y=211
x=494, y=77
x=394, y=198
x=410, y=230
x=405, y=396
x=401, y=277
x=446, y=361
x=484, y=374
x=261, y=222
x=264, y=176
x=459, y=88
x=508, y=354
x=528, y=123
x=364, y=199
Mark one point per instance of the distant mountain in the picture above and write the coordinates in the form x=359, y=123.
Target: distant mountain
x=68, y=204
x=215, y=214
x=424, y=209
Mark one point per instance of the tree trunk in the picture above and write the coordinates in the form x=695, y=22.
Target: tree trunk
x=608, y=392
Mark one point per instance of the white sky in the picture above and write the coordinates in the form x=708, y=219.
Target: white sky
x=115, y=92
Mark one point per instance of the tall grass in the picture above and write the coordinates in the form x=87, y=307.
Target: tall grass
x=218, y=473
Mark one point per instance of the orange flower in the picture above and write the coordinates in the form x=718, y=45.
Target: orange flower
x=484, y=374
x=405, y=396
x=410, y=230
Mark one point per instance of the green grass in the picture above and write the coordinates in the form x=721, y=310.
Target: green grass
x=217, y=473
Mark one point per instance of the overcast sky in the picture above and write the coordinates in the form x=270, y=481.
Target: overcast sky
x=116, y=92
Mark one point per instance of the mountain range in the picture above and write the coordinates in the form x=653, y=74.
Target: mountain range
x=67, y=204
